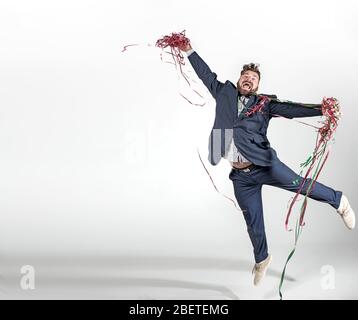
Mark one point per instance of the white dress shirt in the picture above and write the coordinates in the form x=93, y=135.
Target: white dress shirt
x=232, y=154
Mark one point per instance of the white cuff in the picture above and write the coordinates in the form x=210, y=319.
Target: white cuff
x=189, y=52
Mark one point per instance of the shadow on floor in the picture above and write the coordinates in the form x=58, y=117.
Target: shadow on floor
x=102, y=270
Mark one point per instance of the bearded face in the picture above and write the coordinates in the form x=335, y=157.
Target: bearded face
x=248, y=83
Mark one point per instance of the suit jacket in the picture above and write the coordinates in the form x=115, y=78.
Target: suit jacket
x=248, y=132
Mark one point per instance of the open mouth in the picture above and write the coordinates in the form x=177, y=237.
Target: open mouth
x=247, y=85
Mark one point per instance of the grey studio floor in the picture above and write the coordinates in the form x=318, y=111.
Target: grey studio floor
x=195, y=276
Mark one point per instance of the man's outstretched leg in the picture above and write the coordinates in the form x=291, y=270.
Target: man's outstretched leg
x=248, y=195
x=281, y=176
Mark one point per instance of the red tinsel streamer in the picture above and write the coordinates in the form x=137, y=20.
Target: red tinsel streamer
x=259, y=106
x=129, y=45
x=331, y=112
x=176, y=42
x=212, y=181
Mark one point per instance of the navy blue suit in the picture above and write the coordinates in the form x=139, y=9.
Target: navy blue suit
x=249, y=134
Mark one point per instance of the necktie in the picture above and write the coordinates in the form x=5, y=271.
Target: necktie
x=241, y=103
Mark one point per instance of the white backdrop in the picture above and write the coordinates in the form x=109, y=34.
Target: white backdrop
x=98, y=149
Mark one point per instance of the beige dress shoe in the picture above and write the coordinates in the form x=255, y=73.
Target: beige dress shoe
x=347, y=213
x=260, y=269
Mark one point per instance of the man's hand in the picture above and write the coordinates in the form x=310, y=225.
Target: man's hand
x=331, y=108
x=185, y=47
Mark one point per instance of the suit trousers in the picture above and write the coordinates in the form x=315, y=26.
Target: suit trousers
x=248, y=187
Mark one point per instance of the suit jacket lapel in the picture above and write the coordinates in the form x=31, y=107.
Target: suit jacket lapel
x=251, y=102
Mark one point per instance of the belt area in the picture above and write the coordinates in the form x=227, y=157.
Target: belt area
x=246, y=169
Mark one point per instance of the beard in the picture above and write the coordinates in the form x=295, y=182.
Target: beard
x=246, y=88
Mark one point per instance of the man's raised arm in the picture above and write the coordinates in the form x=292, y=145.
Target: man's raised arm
x=203, y=71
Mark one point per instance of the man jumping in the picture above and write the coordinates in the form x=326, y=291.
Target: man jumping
x=239, y=135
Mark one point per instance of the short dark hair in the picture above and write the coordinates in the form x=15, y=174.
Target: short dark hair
x=251, y=67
